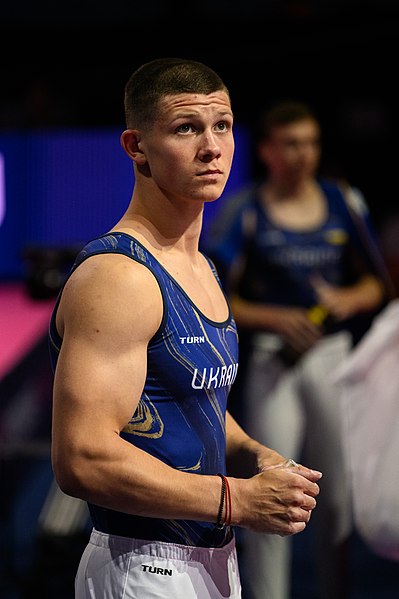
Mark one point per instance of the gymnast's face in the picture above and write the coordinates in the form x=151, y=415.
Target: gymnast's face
x=188, y=150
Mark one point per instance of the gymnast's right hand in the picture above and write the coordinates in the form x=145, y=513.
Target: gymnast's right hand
x=276, y=501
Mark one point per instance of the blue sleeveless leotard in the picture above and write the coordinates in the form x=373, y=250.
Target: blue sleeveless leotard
x=280, y=263
x=180, y=418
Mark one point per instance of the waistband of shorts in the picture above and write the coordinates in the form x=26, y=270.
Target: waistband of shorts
x=157, y=548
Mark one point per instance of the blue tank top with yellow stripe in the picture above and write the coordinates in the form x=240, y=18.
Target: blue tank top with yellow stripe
x=180, y=419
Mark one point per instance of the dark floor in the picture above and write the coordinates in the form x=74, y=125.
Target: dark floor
x=370, y=576
x=35, y=563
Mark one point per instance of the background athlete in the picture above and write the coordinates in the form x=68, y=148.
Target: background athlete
x=300, y=260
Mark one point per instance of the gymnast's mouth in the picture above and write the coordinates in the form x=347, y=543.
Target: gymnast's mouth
x=210, y=173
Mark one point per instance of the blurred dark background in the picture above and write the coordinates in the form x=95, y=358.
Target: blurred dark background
x=339, y=55
x=63, y=71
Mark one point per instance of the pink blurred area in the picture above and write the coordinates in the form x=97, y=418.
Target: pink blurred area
x=23, y=322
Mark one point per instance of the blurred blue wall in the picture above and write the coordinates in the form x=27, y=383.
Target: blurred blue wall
x=62, y=188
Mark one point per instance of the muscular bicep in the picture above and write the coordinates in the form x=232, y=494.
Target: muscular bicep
x=109, y=311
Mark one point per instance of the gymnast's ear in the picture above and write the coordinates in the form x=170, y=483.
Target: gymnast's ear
x=130, y=142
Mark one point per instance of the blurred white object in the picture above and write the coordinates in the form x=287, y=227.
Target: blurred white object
x=370, y=409
x=62, y=515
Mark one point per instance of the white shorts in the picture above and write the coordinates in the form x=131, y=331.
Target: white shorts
x=114, y=567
